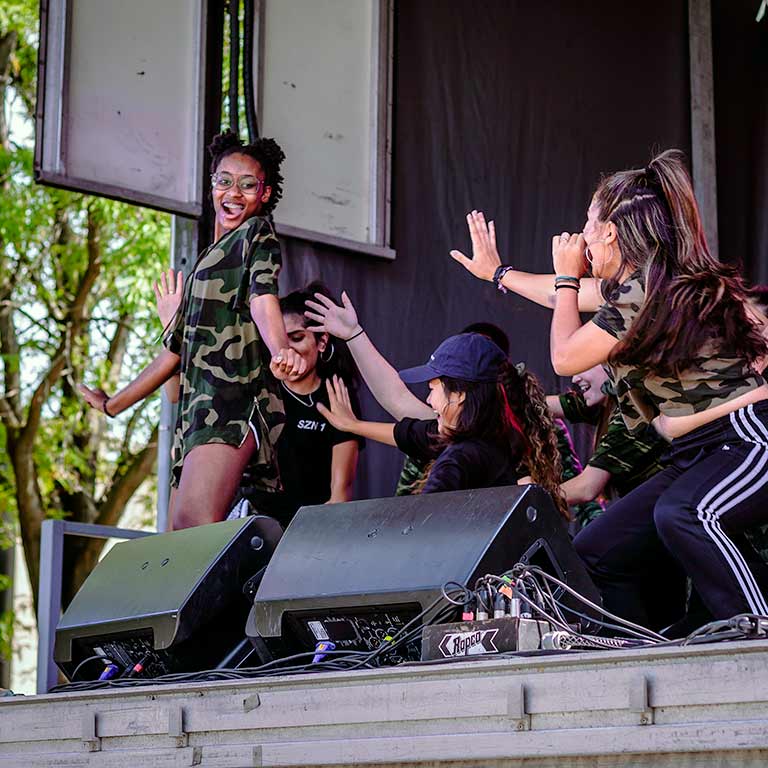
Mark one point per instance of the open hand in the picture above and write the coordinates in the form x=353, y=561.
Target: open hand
x=339, y=321
x=287, y=364
x=569, y=254
x=94, y=397
x=168, y=293
x=340, y=414
x=485, y=256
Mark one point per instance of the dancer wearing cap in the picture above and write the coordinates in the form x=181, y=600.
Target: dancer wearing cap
x=686, y=349
x=485, y=422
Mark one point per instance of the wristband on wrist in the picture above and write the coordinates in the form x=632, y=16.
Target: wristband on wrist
x=104, y=408
x=572, y=278
x=574, y=286
x=354, y=336
x=498, y=276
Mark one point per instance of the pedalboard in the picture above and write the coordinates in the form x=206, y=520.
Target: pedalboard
x=486, y=636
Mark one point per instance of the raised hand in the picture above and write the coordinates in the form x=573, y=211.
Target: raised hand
x=485, y=256
x=339, y=321
x=168, y=294
x=340, y=414
x=287, y=364
x=569, y=254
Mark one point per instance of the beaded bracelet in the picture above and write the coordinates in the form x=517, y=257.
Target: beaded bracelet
x=498, y=276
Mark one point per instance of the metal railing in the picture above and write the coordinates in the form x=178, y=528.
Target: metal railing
x=49, y=594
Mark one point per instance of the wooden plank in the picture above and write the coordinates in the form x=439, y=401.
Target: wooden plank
x=172, y=758
x=593, y=742
x=703, y=701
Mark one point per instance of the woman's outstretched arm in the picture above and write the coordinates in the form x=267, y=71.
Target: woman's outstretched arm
x=537, y=288
x=165, y=365
x=341, y=415
x=382, y=379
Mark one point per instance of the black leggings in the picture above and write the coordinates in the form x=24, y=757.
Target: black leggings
x=690, y=516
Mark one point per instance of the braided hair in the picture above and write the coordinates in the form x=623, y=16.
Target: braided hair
x=266, y=152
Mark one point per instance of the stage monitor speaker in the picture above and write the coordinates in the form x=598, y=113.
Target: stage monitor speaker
x=353, y=573
x=173, y=601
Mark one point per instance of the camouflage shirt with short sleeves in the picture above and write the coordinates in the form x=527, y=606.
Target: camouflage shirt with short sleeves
x=225, y=383
x=629, y=458
x=712, y=379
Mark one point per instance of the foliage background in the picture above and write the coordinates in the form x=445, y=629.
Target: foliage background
x=76, y=304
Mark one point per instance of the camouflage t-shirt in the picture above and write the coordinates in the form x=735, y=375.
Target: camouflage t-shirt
x=712, y=379
x=223, y=358
x=629, y=458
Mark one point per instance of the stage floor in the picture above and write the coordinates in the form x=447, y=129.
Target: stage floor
x=694, y=706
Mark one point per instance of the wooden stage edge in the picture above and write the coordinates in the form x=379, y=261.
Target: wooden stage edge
x=695, y=706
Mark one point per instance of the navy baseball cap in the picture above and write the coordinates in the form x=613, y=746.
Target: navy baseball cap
x=468, y=356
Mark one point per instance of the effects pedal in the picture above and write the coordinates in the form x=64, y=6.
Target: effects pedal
x=474, y=638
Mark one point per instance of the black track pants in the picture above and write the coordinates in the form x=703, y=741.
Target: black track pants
x=693, y=513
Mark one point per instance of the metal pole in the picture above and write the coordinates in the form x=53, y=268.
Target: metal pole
x=49, y=588
x=184, y=237
x=49, y=601
x=703, y=159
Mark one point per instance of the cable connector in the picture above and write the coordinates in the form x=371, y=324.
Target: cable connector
x=468, y=612
x=109, y=672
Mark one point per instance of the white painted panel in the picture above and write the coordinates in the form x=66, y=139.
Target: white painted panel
x=318, y=100
x=122, y=99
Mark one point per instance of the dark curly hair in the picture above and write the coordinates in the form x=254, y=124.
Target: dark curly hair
x=512, y=413
x=266, y=152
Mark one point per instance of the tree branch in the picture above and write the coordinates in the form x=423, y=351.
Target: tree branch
x=126, y=479
x=76, y=317
x=9, y=348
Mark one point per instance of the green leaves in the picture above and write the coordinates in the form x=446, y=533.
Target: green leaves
x=76, y=277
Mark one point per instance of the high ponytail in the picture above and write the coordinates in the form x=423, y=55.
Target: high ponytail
x=694, y=305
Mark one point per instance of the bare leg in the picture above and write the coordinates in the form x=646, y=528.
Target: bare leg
x=171, y=506
x=209, y=480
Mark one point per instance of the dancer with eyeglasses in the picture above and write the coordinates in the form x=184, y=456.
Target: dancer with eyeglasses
x=685, y=348
x=226, y=334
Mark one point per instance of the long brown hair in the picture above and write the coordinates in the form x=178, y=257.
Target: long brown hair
x=512, y=413
x=694, y=304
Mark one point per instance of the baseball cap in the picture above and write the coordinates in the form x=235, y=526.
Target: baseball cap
x=467, y=356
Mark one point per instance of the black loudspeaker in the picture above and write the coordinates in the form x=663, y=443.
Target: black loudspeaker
x=353, y=573
x=171, y=602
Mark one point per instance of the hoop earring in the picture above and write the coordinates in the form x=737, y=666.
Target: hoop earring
x=328, y=359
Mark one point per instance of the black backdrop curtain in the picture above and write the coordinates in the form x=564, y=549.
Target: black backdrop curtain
x=514, y=108
x=740, y=52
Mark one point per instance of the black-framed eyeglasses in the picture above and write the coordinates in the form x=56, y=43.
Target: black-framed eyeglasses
x=248, y=185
